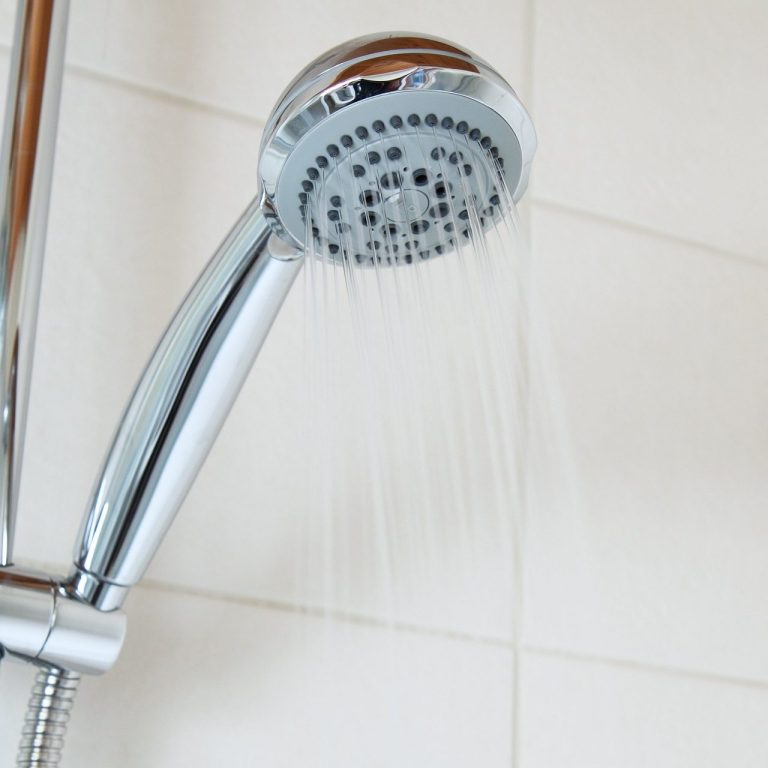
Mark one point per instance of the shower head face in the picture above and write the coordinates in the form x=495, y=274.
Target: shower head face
x=391, y=147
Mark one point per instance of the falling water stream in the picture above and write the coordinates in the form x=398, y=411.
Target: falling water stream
x=417, y=395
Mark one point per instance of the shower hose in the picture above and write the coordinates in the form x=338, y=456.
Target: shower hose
x=45, y=724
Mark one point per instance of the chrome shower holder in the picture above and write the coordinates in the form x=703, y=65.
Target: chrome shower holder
x=44, y=624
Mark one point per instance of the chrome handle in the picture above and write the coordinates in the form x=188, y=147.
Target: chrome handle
x=179, y=406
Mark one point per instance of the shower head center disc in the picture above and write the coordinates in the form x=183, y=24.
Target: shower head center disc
x=405, y=205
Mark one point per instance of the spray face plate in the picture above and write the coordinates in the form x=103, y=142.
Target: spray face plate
x=392, y=147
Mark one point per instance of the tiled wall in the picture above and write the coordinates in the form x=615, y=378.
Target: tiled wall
x=646, y=629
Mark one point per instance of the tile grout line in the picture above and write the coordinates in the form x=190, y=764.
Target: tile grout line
x=161, y=94
x=530, y=52
x=563, y=208
x=527, y=81
x=318, y=612
x=516, y=694
x=154, y=92
x=151, y=585
x=647, y=667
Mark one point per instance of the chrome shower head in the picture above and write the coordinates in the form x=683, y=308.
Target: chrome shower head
x=385, y=141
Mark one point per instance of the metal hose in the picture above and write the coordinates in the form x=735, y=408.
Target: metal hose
x=45, y=725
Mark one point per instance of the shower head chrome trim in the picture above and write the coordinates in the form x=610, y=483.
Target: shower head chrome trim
x=367, y=70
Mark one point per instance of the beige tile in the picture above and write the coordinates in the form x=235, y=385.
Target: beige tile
x=649, y=112
x=597, y=716
x=649, y=538
x=240, y=55
x=202, y=682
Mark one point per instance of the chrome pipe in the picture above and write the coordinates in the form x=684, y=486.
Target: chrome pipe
x=26, y=167
x=179, y=406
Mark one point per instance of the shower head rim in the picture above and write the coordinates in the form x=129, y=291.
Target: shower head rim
x=366, y=48
x=403, y=62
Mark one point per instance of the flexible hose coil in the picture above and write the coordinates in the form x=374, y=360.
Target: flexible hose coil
x=45, y=724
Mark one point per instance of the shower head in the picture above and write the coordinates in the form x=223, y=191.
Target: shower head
x=386, y=141
x=396, y=142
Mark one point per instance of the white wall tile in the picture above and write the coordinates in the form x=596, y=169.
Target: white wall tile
x=599, y=716
x=652, y=542
x=240, y=55
x=201, y=682
x=649, y=112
